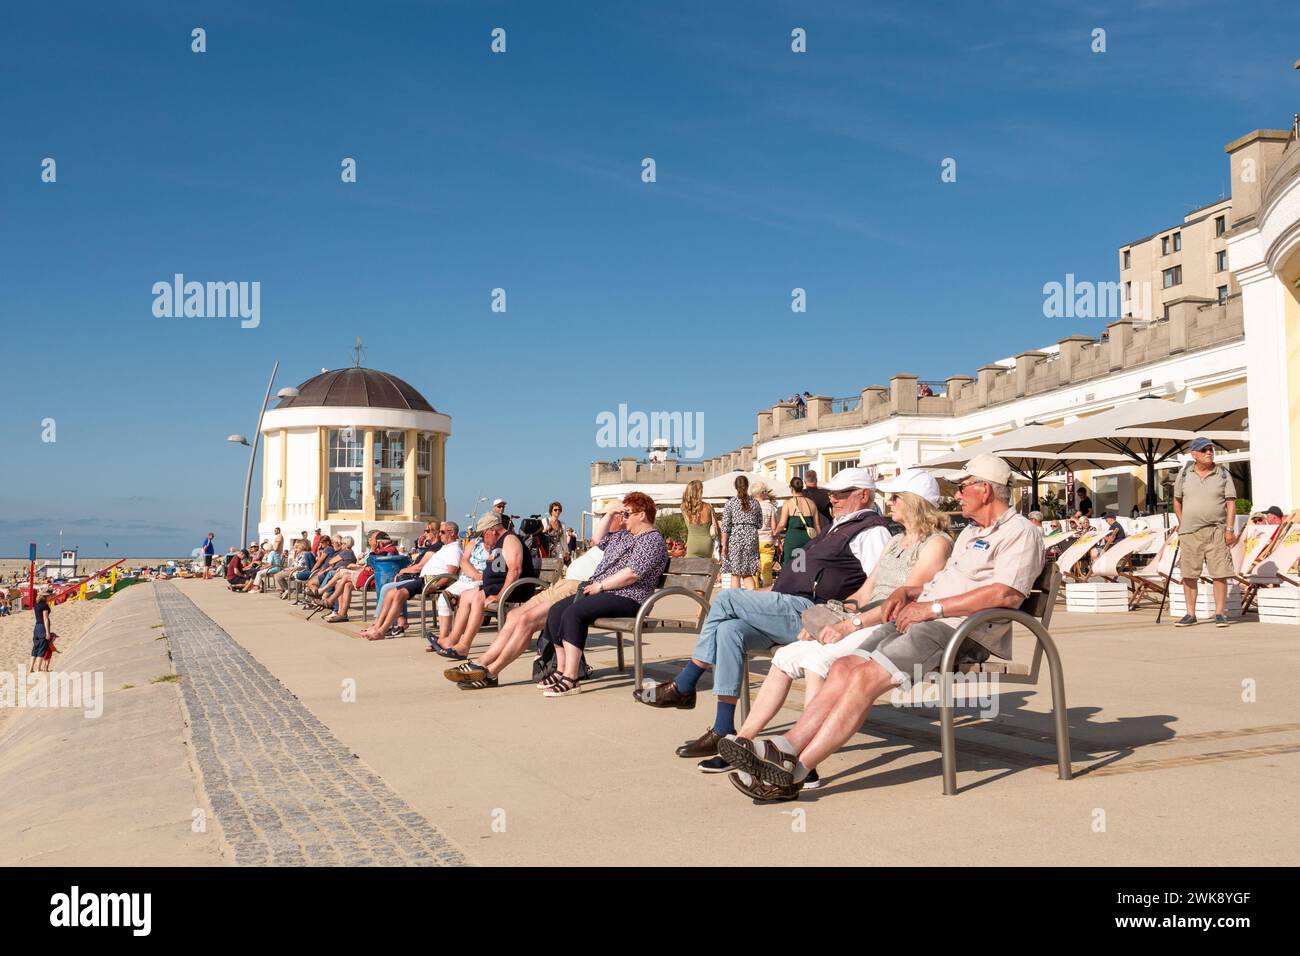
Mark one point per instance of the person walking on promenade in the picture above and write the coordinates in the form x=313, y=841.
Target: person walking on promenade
x=701, y=521
x=42, y=634
x=741, y=518
x=799, y=523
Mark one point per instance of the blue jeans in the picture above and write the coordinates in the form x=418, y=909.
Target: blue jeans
x=745, y=620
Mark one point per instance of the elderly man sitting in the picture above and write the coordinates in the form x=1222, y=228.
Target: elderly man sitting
x=832, y=567
x=994, y=563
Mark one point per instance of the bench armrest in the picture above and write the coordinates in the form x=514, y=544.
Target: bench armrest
x=439, y=582
x=517, y=583
x=669, y=592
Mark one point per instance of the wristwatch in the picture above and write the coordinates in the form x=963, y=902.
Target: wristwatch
x=857, y=621
x=937, y=608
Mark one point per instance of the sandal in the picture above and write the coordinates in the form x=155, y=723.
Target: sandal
x=548, y=680
x=451, y=653
x=335, y=619
x=563, y=687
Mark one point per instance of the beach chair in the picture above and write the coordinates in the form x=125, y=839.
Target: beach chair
x=687, y=584
x=1274, y=565
x=1151, y=583
x=1035, y=614
x=1107, y=566
x=1071, y=561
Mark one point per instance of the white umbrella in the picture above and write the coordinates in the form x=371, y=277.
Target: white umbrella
x=723, y=486
x=1150, y=431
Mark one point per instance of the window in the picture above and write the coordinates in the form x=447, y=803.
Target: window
x=797, y=471
x=390, y=470
x=1220, y=225
x=833, y=468
x=1223, y=295
x=1178, y=242
x=1173, y=276
x=1128, y=258
x=1221, y=260
x=1128, y=291
x=1164, y=246
x=424, y=474
x=346, y=462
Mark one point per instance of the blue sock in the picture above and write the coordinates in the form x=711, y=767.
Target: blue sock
x=689, y=677
x=725, y=721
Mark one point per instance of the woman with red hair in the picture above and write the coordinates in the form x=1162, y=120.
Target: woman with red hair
x=634, y=561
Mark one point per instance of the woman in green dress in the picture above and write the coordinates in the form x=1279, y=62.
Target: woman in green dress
x=799, y=522
x=701, y=522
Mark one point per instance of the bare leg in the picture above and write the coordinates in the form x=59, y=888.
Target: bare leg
x=345, y=597
x=1220, y=595
x=512, y=642
x=1189, y=592
x=865, y=682
x=775, y=689
x=473, y=621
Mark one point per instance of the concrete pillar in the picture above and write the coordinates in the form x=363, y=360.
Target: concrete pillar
x=368, y=477
x=954, y=385
x=1071, y=352
x=1121, y=337
x=902, y=394
x=985, y=376
x=818, y=405
x=1025, y=363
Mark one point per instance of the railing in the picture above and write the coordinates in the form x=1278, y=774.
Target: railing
x=936, y=389
x=850, y=404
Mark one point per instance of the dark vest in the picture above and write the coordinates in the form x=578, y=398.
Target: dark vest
x=830, y=569
x=494, y=575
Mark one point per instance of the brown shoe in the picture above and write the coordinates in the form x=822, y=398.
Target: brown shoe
x=664, y=695
x=705, y=745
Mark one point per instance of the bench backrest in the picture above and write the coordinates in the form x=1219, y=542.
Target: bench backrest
x=550, y=570
x=1042, y=596
x=694, y=574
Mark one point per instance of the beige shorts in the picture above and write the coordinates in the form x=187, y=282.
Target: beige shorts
x=1204, y=548
x=558, y=591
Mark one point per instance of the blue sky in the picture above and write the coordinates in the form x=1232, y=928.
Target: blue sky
x=522, y=171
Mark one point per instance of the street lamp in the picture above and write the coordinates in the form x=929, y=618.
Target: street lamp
x=252, y=448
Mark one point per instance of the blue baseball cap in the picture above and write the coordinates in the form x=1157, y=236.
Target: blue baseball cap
x=1200, y=444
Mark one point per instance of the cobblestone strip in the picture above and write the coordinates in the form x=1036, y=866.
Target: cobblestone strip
x=284, y=789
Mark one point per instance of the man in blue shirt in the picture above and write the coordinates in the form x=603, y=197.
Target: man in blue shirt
x=208, y=549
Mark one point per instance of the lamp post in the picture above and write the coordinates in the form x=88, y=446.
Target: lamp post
x=252, y=447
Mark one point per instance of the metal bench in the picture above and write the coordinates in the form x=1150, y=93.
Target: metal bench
x=1035, y=614
x=550, y=571
x=689, y=580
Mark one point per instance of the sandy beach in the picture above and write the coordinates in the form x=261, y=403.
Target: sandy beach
x=70, y=621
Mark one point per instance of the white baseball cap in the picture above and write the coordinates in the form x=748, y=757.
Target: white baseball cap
x=914, y=480
x=986, y=468
x=499, y=501
x=849, y=478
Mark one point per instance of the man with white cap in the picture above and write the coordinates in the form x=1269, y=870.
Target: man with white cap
x=832, y=567
x=499, y=506
x=994, y=564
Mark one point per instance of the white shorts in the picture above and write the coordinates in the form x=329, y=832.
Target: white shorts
x=813, y=657
x=457, y=589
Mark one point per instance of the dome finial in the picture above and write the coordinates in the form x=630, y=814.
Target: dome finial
x=358, y=350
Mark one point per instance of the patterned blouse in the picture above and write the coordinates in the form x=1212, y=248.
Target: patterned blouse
x=646, y=554
x=478, y=559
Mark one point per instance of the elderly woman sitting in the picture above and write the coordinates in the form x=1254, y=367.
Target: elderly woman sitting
x=628, y=573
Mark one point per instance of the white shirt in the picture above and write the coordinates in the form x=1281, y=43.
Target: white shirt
x=584, y=567
x=867, y=546
x=446, y=560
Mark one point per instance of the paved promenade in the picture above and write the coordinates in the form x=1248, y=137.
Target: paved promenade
x=284, y=789
x=1186, y=746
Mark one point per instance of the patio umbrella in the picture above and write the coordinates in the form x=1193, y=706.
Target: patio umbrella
x=1033, y=466
x=1150, y=431
x=724, y=486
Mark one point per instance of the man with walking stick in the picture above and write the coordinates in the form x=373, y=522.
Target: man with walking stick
x=1205, y=501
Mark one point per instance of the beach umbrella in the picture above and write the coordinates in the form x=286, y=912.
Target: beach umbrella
x=1151, y=431
x=1033, y=466
x=723, y=486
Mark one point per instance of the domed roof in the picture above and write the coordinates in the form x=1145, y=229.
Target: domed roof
x=357, y=388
